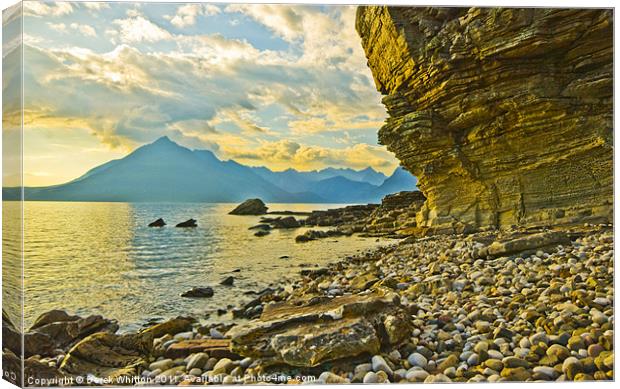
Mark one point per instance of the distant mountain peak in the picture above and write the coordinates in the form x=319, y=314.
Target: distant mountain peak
x=165, y=171
x=163, y=139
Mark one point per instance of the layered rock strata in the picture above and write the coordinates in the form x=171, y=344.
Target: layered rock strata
x=352, y=216
x=504, y=115
x=397, y=212
x=310, y=332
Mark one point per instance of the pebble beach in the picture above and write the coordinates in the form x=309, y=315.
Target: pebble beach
x=540, y=316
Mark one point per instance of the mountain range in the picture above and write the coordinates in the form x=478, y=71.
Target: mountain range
x=164, y=171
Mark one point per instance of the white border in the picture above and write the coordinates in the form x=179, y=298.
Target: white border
x=483, y=3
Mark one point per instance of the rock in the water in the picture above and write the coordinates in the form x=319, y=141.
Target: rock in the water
x=188, y=224
x=309, y=236
x=109, y=356
x=262, y=226
x=316, y=234
x=286, y=222
x=261, y=233
x=198, y=292
x=250, y=207
x=497, y=111
x=158, y=223
x=228, y=281
x=310, y=334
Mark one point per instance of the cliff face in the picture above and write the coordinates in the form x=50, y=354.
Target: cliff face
x=504, y=115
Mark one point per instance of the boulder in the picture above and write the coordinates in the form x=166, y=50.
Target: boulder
x=198, y=292
x=528, y=243
x=53, y=330
x=66, y=333
x=286, y=222
x=188, y=223
x=11, y=336
x=170, y=327
x=261, y=233
x=228, y=281
x=158, y=223
x=250, y=207
x=310, y=333
x=53, y=316
x=109, y=356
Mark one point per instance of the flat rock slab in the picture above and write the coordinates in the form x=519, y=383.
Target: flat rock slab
x=528, y=243
x=217, y=348
x=109, y=356
x=308, y=334
x=170, y=327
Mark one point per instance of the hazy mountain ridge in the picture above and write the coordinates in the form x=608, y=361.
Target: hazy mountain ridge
x=164, y=171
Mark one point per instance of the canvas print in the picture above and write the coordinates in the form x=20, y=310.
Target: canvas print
x=238, y=194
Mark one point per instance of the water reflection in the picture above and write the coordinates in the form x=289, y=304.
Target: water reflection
x=102, y=258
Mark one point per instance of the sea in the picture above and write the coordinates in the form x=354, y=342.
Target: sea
x=102, y=258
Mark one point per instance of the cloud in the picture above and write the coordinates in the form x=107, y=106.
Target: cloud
x=286, y=21
x=242, y=119
x=139, y=29
x=186, y=14
x=84, y=29
x=308, y=103
x=193, y=128
x=283, y=154
x=95, y=6
x=60, y=27
x=41, y=8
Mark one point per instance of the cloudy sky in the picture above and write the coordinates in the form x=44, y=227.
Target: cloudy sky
x=273, y=85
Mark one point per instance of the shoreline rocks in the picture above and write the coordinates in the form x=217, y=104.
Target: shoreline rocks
x=311, y=235
x=303, y=333
x=428, y=310
x=527, y=312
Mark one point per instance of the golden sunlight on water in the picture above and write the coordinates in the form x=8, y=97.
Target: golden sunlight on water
x=101, y=258
x=12, y=261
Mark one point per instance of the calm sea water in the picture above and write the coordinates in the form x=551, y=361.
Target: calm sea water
x=102, y=258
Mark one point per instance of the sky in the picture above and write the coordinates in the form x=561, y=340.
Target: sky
x=266, y=85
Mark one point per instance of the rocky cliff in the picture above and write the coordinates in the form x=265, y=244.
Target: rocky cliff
x=504, y=115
